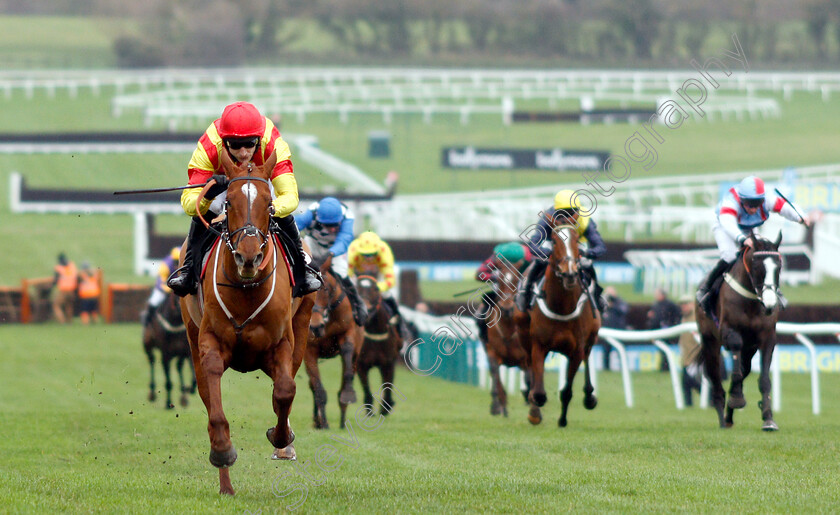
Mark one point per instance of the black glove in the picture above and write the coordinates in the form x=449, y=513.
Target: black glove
x=218, y=188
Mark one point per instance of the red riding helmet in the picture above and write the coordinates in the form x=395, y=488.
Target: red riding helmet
x=241, y=120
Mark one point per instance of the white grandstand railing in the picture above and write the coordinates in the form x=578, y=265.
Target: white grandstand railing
x=824, y=83
x=619, y=338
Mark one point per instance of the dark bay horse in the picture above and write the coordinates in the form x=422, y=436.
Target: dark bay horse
x=244, y=316
x=562, y=320
x=503, y=345
x=167, y=333
x=747, y=311
x=381, y=344
x=332, y=332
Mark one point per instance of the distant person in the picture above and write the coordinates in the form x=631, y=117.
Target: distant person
x=742, y=209
x=66, y=279
x=328, y=225
x=160, y=290
x=515, y=254
x=662, y=314
x=90, y=289
x=247, y=136
x=615, y=317
x=689, y=352
x=564, y=211
x=371, y=255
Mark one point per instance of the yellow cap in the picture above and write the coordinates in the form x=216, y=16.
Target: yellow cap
x=368, y=243
x=566, y=199
x=176, y=253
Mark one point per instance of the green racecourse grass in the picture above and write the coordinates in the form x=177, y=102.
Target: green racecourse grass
x=80, y=436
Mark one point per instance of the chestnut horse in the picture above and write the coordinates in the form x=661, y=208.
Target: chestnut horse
x=332, y=331
x=562, y=320
x=381, y=344
x=167, y=333
x=244, y=316
x=503, y=345
x=747, y=311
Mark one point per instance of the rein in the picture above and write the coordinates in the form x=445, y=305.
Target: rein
x=325, y=311
x=737, y=287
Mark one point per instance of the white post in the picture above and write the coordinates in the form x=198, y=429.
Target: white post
x=625, y=369
x=815, y=379
x=776, y=373
x=675, y=375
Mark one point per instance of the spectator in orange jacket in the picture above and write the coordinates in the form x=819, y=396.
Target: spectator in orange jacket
x=89, y=292
x=66, y=279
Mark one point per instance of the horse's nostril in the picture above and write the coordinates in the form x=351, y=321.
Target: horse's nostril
x=258, y=259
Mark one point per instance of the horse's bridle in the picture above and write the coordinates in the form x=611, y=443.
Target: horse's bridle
x=326, y=310
x=249, y=229
x=375, y=308
x=760, y=253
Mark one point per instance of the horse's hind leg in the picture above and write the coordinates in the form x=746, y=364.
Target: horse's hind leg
x=566, y=392
x=764, y=386
x=711, y=358
x=280, y=369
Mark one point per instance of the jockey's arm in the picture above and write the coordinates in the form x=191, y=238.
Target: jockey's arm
x=386, y=268
x=541, y=234
x=286, y=194
x=484, y=272
x=343, y=238
x=597, y=247
x=199, y=170
x=779, y=205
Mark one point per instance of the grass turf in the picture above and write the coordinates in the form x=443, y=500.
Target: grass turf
x=80, y=436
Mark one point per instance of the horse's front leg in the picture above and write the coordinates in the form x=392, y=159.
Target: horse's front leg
x=363, y=370
x=712, y=366
x=347, y=395
x=589, y=398
x=151, y=356
x=735, y=344
x=566, y=393
x=179, y=367
x=537, y=397
x=387, y=371
x=209, y=369
x=496, y=389
x=279, y=369
x=764, y=385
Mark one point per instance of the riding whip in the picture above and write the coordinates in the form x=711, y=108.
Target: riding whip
x=779, y=193
x=159, y=190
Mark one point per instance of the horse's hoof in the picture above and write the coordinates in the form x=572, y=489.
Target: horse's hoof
x=223, y=459
x=495, y=409
x=347, y=397
x=736, y=402
x=185, y=401
x=534, y=416
x=769, y=425
x=590, y=402
x=169, y=405
x=276, y=442
x=504, y=412
x=152, y=396
x=286, y=453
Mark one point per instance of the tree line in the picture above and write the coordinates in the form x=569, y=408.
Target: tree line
x=595, y=32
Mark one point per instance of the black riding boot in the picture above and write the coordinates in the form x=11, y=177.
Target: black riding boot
x=523, y=296
x=705, y=294
x=396, y=317
x=481, y=316
x=184, y=281
x=146, y=315
x=360, y=314
x=307, y=278
x=598, y=290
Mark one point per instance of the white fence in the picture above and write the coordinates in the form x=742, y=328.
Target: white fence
x=618, y=339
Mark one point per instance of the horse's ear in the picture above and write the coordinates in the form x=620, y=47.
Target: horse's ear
x=227, y=161
x=778, y=241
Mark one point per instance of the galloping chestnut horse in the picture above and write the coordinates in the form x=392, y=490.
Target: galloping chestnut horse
x=244, y=316
x=332, y=331
x=747, y=311
x=562, y=320
x=166, y=332
x=381, y=344
x=503, y=345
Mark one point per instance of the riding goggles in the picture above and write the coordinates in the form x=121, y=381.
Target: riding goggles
x=236, y=144
x=753, y=202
